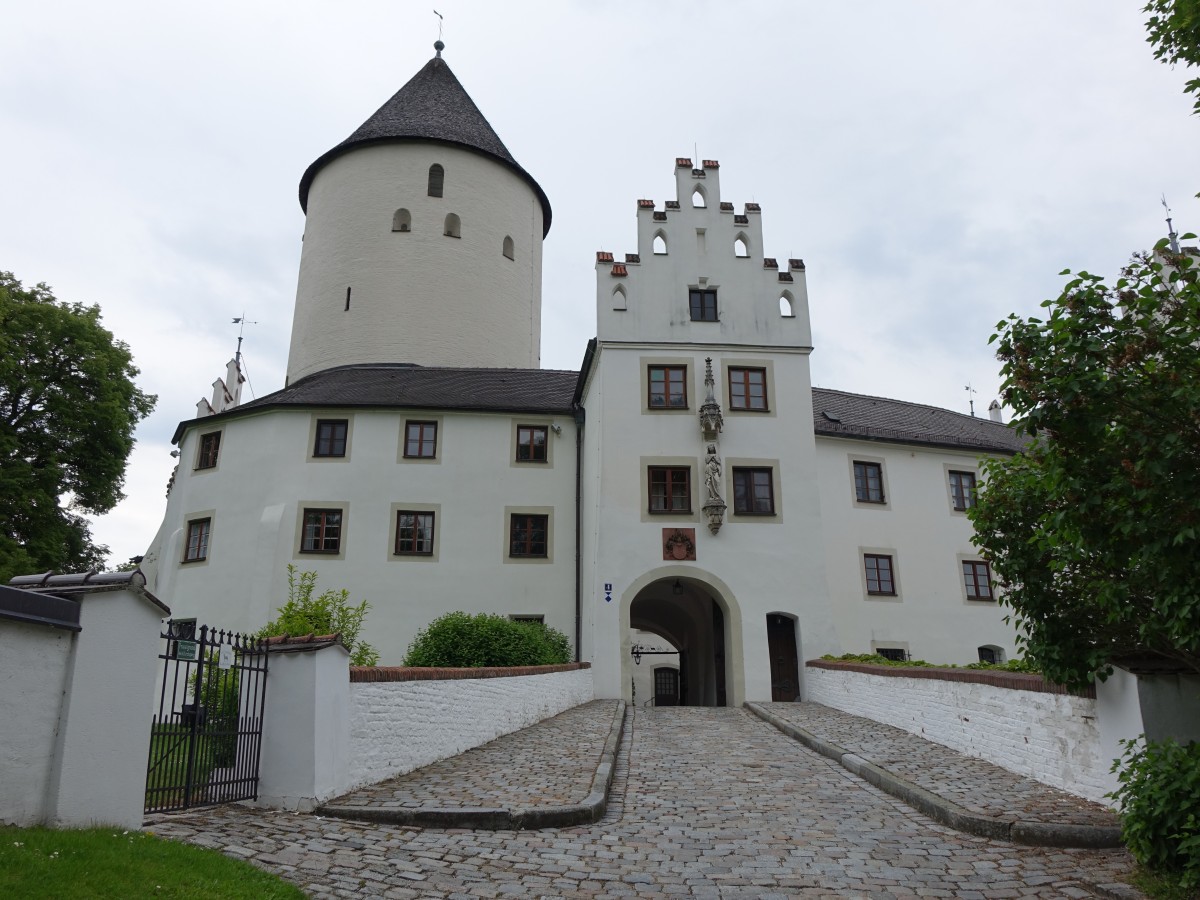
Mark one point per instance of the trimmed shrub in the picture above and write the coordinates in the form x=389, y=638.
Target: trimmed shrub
x=1159, y=796
x=458, y=640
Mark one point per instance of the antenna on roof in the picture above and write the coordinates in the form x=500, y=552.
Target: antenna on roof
x=1174, y=238
x=438, y=45
x=971, y=392
x=241, y=321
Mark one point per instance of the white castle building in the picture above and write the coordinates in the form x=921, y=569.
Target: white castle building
x=688, y=485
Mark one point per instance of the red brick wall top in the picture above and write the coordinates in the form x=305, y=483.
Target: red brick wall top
x=1017, y=681
x=362, y=674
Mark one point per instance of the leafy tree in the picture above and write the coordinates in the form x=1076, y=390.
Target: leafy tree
x=328, y=613
x=68, y=409
x=1094, y=530
x=1174, y=30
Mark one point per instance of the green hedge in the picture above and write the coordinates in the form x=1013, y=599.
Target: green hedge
x=1159, y=796
x=458, y=640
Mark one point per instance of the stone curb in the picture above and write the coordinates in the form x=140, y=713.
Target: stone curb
x=948, y=813
x=590, y=810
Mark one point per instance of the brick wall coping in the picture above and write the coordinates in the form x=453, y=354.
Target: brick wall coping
x=365, y=674
x=1017, y=681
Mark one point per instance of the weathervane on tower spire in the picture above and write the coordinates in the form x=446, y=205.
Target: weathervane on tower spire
x=439, y=45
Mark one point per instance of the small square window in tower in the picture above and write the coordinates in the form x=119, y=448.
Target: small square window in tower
x=531, y=443
x=668, y=387
x=420, y=440
x=331, y=437
x=670, y=489
x=703, y=305
x=748, y=389
x=527, y=535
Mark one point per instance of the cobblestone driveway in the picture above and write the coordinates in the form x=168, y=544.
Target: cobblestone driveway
x=706, y=802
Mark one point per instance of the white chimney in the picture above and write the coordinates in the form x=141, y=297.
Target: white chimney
x=994, y=412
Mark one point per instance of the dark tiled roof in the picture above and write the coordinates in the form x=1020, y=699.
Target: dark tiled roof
x=545, y=391
x=839, y=414
x=433, y=106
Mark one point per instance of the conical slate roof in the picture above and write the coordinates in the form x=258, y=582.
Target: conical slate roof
x=432, y=107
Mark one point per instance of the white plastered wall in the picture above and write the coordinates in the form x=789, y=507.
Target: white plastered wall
x=418, y=296
x=930, y=617
x=266, y=477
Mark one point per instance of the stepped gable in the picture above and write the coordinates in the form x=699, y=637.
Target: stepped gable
x=545, y=391
x=841, y=414
x=433, y=106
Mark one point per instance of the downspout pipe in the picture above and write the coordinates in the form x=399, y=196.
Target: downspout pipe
x=579, y=419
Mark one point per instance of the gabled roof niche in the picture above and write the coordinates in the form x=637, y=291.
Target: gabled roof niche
x=434, y=108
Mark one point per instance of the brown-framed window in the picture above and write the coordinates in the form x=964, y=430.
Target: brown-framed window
x=895, y=654
x=977, y=576
x=414, y=533
x=331, y=437
x=868, y=482
x=527, y=535
x=210, y=447
x=703, y=305
x=322, y=531
x=748, y=389
x=879, y=574
x=668, y=387
x=531, y=443
x=195, y=548
x=420, y=440
x=670, y=489
x=753, y=492
x=962, y=489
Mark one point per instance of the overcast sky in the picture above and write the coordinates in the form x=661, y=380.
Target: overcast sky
x=936, y=164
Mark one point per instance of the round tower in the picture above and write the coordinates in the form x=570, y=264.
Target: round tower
x=422, y=241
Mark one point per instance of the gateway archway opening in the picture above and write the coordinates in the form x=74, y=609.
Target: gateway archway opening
x=687, y=614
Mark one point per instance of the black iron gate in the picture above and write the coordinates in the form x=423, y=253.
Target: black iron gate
x=206, y=738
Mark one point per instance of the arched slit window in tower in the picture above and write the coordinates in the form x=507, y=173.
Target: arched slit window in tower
x=453, y=226
x=698, y=199
x=619, y=300
x=741, y=247
x=785, y=305
x=660, y=244
x=437, y=177
x=507, y=249
x=402, y=220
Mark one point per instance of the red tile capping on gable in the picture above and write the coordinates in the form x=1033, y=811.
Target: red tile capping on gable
x=711, y=164
x=682, y=162
x=603, y=256
x=770, y=263
x=619, y=269
x=1017, y=681
x=285, y=642
x=645, y=204
x=365, y=674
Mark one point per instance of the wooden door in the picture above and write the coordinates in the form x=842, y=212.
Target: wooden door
x=785, y=669
x=666, y=686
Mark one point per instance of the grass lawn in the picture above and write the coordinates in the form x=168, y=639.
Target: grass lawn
x=111, y=864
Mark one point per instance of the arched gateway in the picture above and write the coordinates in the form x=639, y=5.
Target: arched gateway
x=696, y=613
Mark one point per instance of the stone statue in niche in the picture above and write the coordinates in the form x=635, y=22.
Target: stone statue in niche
x=714, y=507
x=712, y=475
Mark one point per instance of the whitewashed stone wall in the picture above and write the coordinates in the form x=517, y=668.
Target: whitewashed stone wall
x=398, y=726
x=33, y=675
x=1052, y=738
